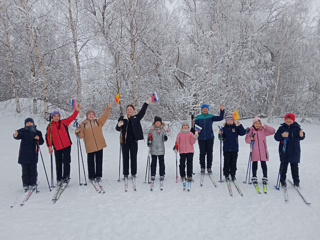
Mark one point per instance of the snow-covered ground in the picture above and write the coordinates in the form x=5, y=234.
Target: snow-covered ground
x=203, y=213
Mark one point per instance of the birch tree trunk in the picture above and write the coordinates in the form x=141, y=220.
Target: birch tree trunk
x=40, y=62
x=10, y=59
x=275, y=94
x=76, y=55
x=132, y=56
x=32, y=69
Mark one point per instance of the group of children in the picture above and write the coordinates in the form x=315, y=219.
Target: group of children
x=58, y=140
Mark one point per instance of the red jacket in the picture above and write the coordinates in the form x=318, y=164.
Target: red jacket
x=57, y=133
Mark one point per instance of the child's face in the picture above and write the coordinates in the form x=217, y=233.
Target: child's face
x=257, y=125
x=130, y=111
x=56, y=117
x=205, y=110
x=90, y=116
x=229, y=122
x=28, y=124
x=185, y=126
x=288, y=121
x=157, y=123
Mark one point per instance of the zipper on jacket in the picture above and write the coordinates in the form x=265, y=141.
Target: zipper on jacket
x=59, y=136
x=258, y=145
x=265, y=146
x=94, y=136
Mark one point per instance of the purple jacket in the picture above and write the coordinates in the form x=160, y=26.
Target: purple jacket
x=259, y=150
x=185, y=142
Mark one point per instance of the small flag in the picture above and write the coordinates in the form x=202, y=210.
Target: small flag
x=73, y=103
x=235, y=115
x=154, y=97
x=117, y=98
x=198, y=128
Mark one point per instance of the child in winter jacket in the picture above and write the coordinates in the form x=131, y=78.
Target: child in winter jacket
x=258, y=134
x=185, y=141
x=229, y=134
x=289, y=136
x=57, y=136
x=91, y=132
x=156, y=138
x=30, y=138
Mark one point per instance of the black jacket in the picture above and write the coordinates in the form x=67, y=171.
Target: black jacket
x=135, y=124
x=28, y=152
x=230, y=135
x=292, y=150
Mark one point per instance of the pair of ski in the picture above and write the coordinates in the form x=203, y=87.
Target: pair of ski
x=265, y=191
x=152, y=185
x=211, y=178
x=228, y=181
x=97, y=186
x=26, y=196
x=126, y=184
x=60, y=189
x=286, y=196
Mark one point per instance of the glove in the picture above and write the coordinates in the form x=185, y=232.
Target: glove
x=149, y=143
x=196, y=135
x=120, y=123
x=149, y=100
x=247, y=130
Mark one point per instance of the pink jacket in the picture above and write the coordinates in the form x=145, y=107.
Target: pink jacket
x=259, y=150
x=185, y=142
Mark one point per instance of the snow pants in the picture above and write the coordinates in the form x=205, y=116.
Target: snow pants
x=154, y=165
x=206, y=148
x=95, y=160
x=29, y=174
x=186, y=158
x=130, y=147
x=230, y=164
x=63, y=160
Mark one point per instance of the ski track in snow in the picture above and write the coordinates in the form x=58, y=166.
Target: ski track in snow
x=203, y=213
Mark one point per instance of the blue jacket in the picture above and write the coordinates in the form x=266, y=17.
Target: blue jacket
x=28, y=152
x=205, y=121
x=230, y=135
x=292, y=151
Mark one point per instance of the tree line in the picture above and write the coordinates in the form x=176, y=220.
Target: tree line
x=260, y=57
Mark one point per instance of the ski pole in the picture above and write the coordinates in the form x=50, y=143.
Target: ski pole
x=220, y=154
x=44, y=167
x=52, y=184
x=76, y=124
x=120, y=161
x=78, y=142
x=251, y=148
x=175, y=148
x=249, y=161
x=84, y=171
x=121, y=142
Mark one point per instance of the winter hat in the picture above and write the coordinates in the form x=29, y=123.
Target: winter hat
x=28, y=120
x=290, y=115
x=185, y=123
x=55, y=112
x=204, y=106
x=156, y=119
x=256, y=119
x=90, y=111
x=229, y=117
